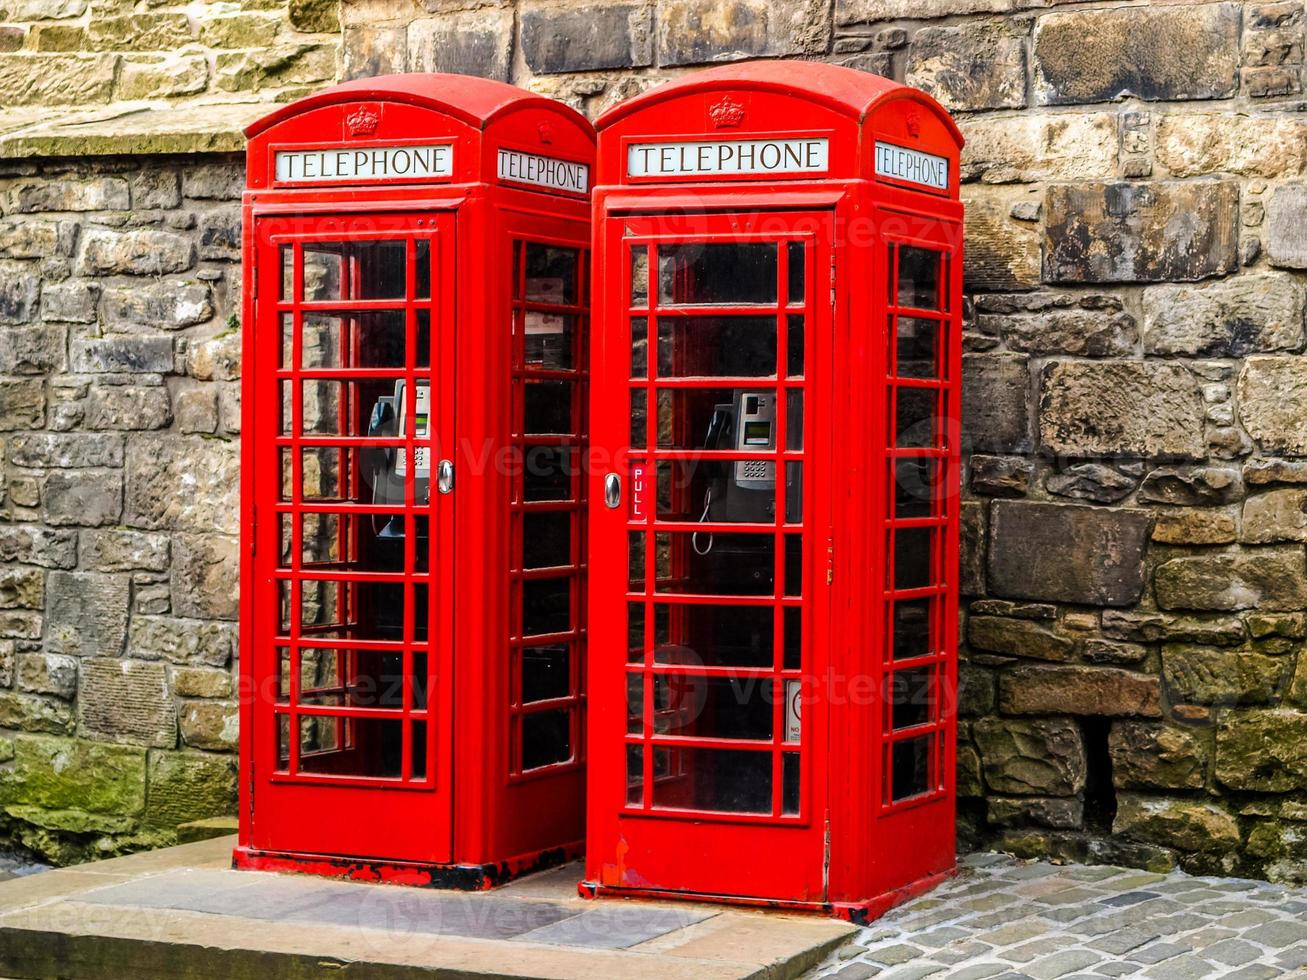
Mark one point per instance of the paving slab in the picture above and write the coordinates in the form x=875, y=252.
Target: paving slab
x=183, y=913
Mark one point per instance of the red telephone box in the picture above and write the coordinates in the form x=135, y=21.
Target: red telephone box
x=415, y=389
x=774, y=581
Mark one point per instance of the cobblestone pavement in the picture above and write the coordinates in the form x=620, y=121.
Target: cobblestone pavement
x=1009, y=920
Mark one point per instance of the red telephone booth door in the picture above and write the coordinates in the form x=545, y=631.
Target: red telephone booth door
x=353, y=357
x=711, y=569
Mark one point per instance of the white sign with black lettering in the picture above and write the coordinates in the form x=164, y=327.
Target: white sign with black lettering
x=531, y=168
x=728, y=158
x=365, y=163
x=902, y=163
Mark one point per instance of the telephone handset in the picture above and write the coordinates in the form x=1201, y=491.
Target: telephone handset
x=388, y=419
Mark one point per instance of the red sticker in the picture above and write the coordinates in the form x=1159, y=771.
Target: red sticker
x=637, y=492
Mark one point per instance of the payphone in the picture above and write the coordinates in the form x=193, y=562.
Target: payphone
x=773, y=574
x=416, y=305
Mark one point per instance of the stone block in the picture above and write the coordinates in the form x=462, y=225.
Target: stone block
x=1090, y=481
x=1272, y=395
x=1192, y=486
x=56, y=79
x=201, y=682
x=143, y=252
x=153, y=187
x=30, y=350
x=215, y=359
x=1108, y=652
x=46, y=673
x=34, y=545
x=1146, y=755
x=971, y=545
x=185, y=484
x=1039, y=147
x=314, y=16
x=976, y=691
x=72, y=450
x=213, y=182
x=1262, y=750
x=168, y=304
x=1270, y=579
x=1183, y=824
x=211, y=725
x=1249, y=314
x=1098, y=691
x=21, y=588
x=1141, y=626
x=73, y=301
x=1193, y=144
x=1121, y=408
x=160, y=77
x=20, y=288
x=1262, y=472
x=1055, y=813
x=1202, y=527
x=1017, y=638
x=695, y=32
x=128, y=407
x=1067, y=553
x=127, y=355
x=274, y=67
x=566, y=39
x=1031, y=757
x=1220, y=675
x=185, y=786
x=1001, y=476
x=32, y=239
x=86, y=613
x=974, y=65
x=33, y=713
x=1275, y=516
x=1084, y=333
x=240, y=31
x=472, y=42
x=1140, y=232
x=22, y=405
x=371, y=51
x=1002, y=254
x=996, y=403
x=1163, y=53
x=220, y=235
x=73, y=774
x=1286, y=237
x=862, y=11
x=21, y=625
x=197, y=410
x=86, y=194
x=89, y=498
x=205, y=576
x=139, y=32
x=120, y=550
x=127, y=701
x=181, y=641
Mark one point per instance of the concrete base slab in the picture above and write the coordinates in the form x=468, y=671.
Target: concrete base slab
x=183, y=913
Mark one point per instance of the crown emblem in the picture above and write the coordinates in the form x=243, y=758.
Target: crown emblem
x=913, y=122
x=362, y=121
x=546, y=132
x=727, y=113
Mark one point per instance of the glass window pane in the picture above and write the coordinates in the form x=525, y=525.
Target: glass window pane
x=550, y=274
x=639, y=419
x=910, y=766
x=332, y=609
x=549, y=339
x=915, y=486
x=715, y=636
x=710, y=273
x=696, y=490
x=797, y=271
x=715, y=707
x=635, y=632
x=790, y=785
x=911, y=696
x=546, y=606
x=729, y=564
x=793, y=564
x=634, y=775
x=546, y=738
x=911, y=628
x=355, y=270
x=375, y=746
x=793, y=638
x=546, y=673
x=717, y=346
x=546, y=539
x=639, y=275
x=366, y=340
x=287, y=340
x=547, y=473
x=287, y=273
x=918, y=278
x=916, y=418
x=912, y=557
x=794, y=419
x=547, y=407
x=634, y=703
x=422, y=277
x=722, y=780
x=795, y=333
x=794, y=493
x=635, y=561
x=735, y=419
x=639, y=347
x=916, y=343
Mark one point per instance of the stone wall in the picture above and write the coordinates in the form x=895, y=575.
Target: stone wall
x=119, y=419
x=1135, y=611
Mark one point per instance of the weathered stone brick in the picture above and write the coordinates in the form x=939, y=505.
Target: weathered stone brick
x=32, y=239
x=1090, y=481
x=971, y=561
x=197, y=410
x=1273, y=579
x=125, y=551
x=372, y=51
x=141, y=253
x=1272, y=396
x=87, y=194
x=1018, y=638
x=20, y=287
x=216, y=359
x=280, y=65
x=33, y=713
x=1192, y=486
x=474, y=42
x=220, y=235
x=41, y=546
x=56, y=79
x=44, y=450
x=1248, y=314
x=153, y=187
x=181, y=641
x=139, y=32
x=976, y=65
x=22, y=405
x=127, y=700
x=1085, y=333
x=1127, y=408
x=86, y=613
x=1262, y=751
x=1038, y=757
x=212, y=725
x=162, y=76
x=128, y=407
x=1057, y=813
x=167, y=303
x=1194, y=144
x=89, y=498
x=1146, y=755
x=1161, y=53
x=1184, y=824
x=1039, y=147
x=73, y=774
x=1143, y=232
x=1001, y=476
x=31, y=350
x=694, y=32
x=1067, y=553
x=1286, y=236
x=1275, y=516
x=564, y=39
x=255, y=30
x=205, y=576
x=996, y=403
x=21, y=588
x=1217, y=675
x=213, y=182
x=179, y=483
x=1068, y=690
x=122, y=354
x=184, y=786
x=46, y=673
x=73, y=301
x=1002, y=254
x=201, y=682
x=314, y=16
x=1141, y=626
x=1204, y=526
x=1262, y=472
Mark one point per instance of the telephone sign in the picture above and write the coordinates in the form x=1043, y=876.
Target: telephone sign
x=416, y=302
x=778, y=279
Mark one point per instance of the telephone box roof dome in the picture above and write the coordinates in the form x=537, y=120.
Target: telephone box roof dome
x=847, y=90
x=475, y=101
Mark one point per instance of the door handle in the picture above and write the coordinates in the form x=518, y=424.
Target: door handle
x=445, y=476
x=612, y=491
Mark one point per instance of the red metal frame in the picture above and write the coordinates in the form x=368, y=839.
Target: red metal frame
x=446, y=803
x=876, y=702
